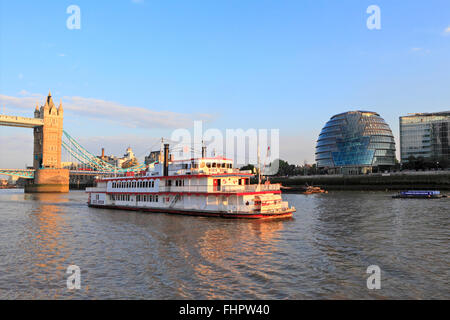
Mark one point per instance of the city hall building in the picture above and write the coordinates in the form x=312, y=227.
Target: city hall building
x=425, y=135
x=355, y=142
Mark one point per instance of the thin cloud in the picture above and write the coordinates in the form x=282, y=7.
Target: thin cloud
x=127, y=116
x=421, y=50
x=447, y=31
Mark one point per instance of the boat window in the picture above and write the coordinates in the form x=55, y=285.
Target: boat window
x=213, y=164
x=208, y=165
x=156, y=198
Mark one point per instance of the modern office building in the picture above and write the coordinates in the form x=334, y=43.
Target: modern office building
x=425, y=135
x=355, y=142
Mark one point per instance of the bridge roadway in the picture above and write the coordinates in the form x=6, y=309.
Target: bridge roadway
x=23, y=122
x=29, y=173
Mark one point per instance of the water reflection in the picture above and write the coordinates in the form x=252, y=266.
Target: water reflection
x=254, y=242
x=45, y=245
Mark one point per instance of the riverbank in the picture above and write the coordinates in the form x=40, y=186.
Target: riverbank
x=438, y=180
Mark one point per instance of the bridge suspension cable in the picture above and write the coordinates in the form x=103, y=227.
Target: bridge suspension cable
x=92, y=161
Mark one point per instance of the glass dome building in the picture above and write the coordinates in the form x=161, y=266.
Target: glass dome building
x=355, y=142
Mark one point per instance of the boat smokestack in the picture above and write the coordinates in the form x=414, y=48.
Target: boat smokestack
x=166, y=159
x=103, y=153
x=203, y=151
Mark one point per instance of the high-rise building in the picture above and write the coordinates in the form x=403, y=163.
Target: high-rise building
x=355, y=142
x=425, y=135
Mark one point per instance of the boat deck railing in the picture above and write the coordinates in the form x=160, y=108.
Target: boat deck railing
x=193, y=188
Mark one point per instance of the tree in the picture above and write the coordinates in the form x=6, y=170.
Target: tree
x=248, y=167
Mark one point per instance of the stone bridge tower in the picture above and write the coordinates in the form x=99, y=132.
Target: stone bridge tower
x=48, y=175
x=48, y=138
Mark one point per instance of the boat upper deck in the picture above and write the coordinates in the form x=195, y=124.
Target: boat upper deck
x=187, y=167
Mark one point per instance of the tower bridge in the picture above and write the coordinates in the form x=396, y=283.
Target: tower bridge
x=47, y=174
x=21, y=122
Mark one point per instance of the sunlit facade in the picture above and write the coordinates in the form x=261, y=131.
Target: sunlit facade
x=425, y=135
x=355, y=142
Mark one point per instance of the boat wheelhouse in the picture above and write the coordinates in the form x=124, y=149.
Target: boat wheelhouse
x=198, y=186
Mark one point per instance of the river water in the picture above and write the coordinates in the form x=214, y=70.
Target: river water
x=322, y=253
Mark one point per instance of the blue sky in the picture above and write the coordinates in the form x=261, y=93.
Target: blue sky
x=237, y=64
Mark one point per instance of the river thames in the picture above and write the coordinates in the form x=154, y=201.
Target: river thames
x=322, y=253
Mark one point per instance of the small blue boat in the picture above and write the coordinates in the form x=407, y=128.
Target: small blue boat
x=419, y=194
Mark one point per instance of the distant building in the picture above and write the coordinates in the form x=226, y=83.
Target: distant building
x=425, y=135
x=13, y=180
x=3, y=182
x=154, y=156
x=119, y=162
x=112, y=160
x=355, y=142
x=70, y=165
